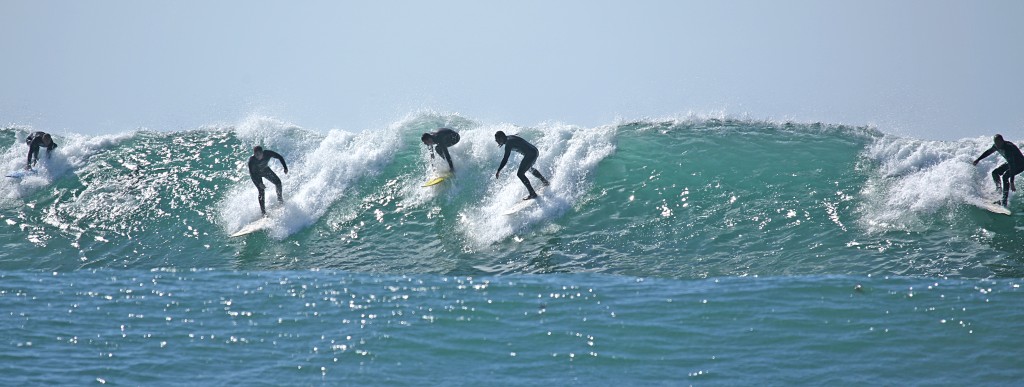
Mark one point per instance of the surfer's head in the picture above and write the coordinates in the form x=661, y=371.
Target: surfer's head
x=500, y=137
x=427, y=138
x=998, y=140
x=258, y=152
x=47, y=140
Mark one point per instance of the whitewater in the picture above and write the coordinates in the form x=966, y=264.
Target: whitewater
x=694, y=250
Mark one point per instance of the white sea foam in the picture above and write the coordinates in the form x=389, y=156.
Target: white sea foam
x=321, y=169
x=568, y=157
x=916, y=179
x=73, y=152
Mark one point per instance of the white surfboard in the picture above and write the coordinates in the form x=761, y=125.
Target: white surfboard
x=995, y=208
x=519, y=206
x=524, y=204
x=250, y=228
x=22, y=173
x=261, y=223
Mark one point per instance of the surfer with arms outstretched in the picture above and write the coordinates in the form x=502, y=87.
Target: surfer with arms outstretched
x=441, y=139
x=1006, y=172
x=529, y=152
x=258, y=170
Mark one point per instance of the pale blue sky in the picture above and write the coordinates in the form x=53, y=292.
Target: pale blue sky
x=928, y=69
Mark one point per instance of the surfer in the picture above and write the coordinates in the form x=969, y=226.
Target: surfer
x=258, y=170
x=35, y=141
x=1014, y=165
x=441, y=139
x=529, y=152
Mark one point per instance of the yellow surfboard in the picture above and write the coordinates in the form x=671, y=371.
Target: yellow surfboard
x=436, y=180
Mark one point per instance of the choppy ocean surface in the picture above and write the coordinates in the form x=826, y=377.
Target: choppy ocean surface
x=703, y=251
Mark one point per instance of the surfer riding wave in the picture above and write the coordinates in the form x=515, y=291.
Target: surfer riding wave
x=1004, y=174
x=258, y=170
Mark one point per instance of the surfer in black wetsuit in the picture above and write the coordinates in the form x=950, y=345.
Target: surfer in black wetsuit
x=258, y=170
x=529, y=152
x=35, y=141
x=1014, y=165
x=441, y=139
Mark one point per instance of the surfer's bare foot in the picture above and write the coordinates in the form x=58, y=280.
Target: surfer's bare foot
x=532, y=196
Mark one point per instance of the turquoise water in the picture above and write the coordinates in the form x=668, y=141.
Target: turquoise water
x=695, y=251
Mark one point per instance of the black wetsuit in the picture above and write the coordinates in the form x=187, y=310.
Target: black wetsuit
x=444, y=138
x=258, y=170
x=35, y=141
x=1014, y=165
x=530, y=153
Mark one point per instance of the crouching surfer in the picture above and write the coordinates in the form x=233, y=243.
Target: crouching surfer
x=529, y=152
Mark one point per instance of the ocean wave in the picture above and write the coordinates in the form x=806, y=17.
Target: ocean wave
x=689, y=197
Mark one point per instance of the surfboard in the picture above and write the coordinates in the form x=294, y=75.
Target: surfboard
x=275, y=212
x=525, y=203
x=436, y=180
x=519, y=206
x=995, y=208
x=22, y=173
x=250, y=228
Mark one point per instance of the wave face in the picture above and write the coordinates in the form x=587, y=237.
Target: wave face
x=689, y=198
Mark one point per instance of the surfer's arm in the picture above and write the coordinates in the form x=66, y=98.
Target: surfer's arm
x=31, y=150
x=49, y=149
x=504, y=160
x=984, y=155
x=279, y=158
x=447, y=156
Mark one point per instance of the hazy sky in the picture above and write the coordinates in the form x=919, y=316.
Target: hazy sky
x=928, y=69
